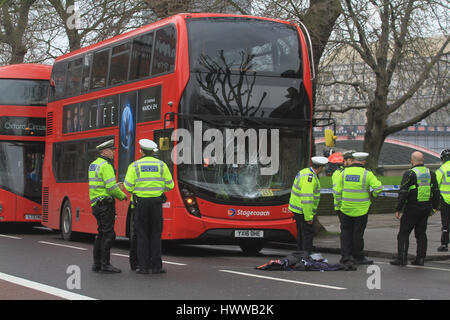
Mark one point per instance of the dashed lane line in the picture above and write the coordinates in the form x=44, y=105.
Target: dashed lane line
x=10, y=237
x=416, y=267
x=167, y=262
x=62, y=245
x=44, y=288
x=284, y=280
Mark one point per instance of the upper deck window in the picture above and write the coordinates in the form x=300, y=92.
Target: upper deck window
x=221, y=45
x=119, y=63
x=74, y=70
x=165, y=50
x=141, y=56
x=87, y=63
x=147, y=55
x=100, y=69
x=23, y=92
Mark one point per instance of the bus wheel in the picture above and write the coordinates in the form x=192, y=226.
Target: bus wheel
x=251, y=247
x=66, y=221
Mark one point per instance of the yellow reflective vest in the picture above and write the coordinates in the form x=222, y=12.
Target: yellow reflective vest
x=305, y=194
x=148, y=177
x=423, y=183
x=443, y=180
x=102, y=181
x=352, y=190
x=334, y=179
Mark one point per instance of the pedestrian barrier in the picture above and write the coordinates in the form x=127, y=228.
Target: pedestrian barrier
x=382, y=194
x=386, y=201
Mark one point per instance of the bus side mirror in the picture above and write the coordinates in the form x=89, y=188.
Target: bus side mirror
x=330, y=138
x=164, y=144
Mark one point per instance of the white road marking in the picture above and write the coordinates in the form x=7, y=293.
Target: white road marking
x=10, y=237
x=417, y=267
x=167, y=262
x=284, y=280
x=62, y=245
x=44, y=288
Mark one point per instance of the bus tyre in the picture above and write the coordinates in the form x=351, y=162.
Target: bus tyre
x=66, y=221
x=251, y=247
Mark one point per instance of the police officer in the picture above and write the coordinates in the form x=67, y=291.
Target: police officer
x=443, y=180
x=347, y=159
x=103, y=189
x=419, y=191
x=148, y=178
x=304, y=200
x=354, y=198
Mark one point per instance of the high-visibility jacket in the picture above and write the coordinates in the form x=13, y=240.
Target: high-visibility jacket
x=334, y=179
x=102, y=181
x=352, y=190
x=148, y=177
x=423, y=183
x=443, y=180
x=305, y=194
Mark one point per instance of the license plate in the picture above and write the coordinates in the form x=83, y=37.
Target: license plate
x=249, y=234
x=32, y=217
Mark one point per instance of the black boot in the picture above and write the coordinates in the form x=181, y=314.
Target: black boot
x=443, y=248
x=108, y=268
x=363, y=261
x=418, y=262
x=398, y=262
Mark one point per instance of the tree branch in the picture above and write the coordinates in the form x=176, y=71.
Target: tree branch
x=348, y=108
x=419, y=82
x=397, y=127
x=364, y=51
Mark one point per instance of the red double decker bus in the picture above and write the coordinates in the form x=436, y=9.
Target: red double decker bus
x=23, y=101
x=226, y=97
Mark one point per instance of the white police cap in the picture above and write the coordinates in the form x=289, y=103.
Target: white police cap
x=360, y=156
x=320, y=161
x=148, y=145
x=106, y=145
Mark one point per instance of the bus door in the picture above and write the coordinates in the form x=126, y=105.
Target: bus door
x=165, y=145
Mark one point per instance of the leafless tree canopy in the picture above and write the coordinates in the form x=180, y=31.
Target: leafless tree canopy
x=384, y=55
x=394, y=52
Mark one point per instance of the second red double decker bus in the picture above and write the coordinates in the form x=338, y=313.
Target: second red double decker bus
x=226, y=97
x=23, y=101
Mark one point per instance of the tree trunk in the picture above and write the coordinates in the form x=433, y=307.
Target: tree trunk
x=375, y=133
x=18, y=52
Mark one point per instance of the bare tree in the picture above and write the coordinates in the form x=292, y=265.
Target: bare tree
x=398, y=71
x=166, y=8
x=98, y=20
x=318, y=16
x=13, y=24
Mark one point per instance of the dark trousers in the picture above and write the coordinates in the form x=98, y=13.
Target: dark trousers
x=149, y=223
x=417, y=219
x=106, y=217
x=133, y=241
x=445, y=219
x=352, y=236
x=305, y=234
